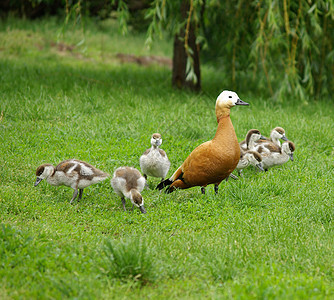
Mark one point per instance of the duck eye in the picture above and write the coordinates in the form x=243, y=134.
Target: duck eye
x=230, y=96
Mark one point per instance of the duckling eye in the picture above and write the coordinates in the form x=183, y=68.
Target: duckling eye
x=230, y=96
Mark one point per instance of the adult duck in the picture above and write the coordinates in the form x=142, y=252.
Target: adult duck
x=212, y=161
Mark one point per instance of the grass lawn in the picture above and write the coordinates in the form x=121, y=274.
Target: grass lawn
x=268, y=235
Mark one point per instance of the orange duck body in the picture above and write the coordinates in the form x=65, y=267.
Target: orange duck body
x=212, y=161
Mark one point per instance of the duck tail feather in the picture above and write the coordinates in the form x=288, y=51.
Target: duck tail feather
x=163, y=184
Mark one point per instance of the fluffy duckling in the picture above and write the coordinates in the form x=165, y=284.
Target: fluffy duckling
x=276, y=155
x=128, y=182
x=154, y=161
x=212, y=161
x=249, y=158
x=252, y=136
x=74, y=173
x=275, y=135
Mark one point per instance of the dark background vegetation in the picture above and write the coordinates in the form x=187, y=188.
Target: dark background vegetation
x=280, y=49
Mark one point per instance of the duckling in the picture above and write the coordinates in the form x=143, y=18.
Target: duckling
x=275, y=135
x=252, y=136
x=212, y=161
x=277, y=155
x=74, y=173
x=154, y=161
x=128, y=182
x=249, y=158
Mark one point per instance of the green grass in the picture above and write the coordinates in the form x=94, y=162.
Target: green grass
x=269, y=235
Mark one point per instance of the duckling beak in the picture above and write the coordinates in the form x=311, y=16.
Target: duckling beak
x=262, y=137
x=260, y=167
x=240, y=102
x=284, y=138
x=38, y=180
x=291, y=156
x=142, y=209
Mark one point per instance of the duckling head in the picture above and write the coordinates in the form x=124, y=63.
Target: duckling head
x=254, y=159
x=279, y=133
x=137, y=200
x=289, y=148
x=253, y=135
x=225, y=101
x=43, y=172
x=156, y=140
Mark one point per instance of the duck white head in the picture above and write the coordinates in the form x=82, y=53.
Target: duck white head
x=156, y=140
x=43, y=172
x=225, y=101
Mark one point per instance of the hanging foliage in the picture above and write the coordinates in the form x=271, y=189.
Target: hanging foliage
x=279, y=48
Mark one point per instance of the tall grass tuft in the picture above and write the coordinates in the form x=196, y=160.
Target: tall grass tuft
x=130, y=260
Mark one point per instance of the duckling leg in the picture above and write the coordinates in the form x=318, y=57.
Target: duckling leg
x=203, y=190
x=216, y=188
x=234, y=177
x=80, y=194
x=146, y=184
x=75, y=194
x=123, y=202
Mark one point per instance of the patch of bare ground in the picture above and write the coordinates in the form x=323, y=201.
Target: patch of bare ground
x=144, y=60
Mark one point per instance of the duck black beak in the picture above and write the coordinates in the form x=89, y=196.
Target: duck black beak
x=291, y=156
x=262, y=137
x=38, y=180
x=260, y=167
x=240, y=102
x=142, y=209
x=284, y=138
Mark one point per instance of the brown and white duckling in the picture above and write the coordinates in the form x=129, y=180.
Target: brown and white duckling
x=249, y=158
x=154, y=161
x=128, y=182
x=277, y=155
x=74, y=173
x=275, y=135
x=252, y=136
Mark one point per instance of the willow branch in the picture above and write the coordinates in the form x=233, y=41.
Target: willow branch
x=186, y=37
x=287, y=29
